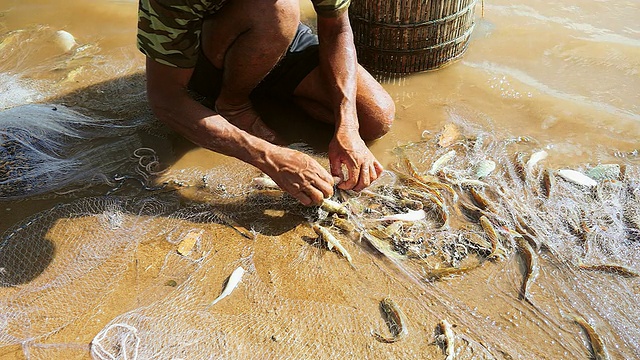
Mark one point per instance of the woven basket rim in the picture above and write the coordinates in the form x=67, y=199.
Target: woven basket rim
x=460, y=13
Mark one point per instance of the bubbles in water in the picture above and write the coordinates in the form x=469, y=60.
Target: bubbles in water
x=16, y=91
x=507, y=90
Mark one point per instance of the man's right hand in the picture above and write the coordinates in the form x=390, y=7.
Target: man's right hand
x=299, y=175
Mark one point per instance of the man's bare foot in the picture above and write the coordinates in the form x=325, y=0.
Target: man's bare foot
x=245, y=117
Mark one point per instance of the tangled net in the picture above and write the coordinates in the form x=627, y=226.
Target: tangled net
x=50, y=147
x=463, y=227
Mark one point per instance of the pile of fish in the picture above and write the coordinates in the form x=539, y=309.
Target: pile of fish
x=453, y=202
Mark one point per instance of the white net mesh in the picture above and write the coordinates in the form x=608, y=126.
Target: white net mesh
x=49, y=147
x=449, y=232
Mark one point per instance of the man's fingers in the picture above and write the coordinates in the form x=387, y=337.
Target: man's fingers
x=313, y=191
x=354, y=173
x=336, y=167
x=303, y=198
x=365, y=178
x=379, y=168
x=310, y=196
x=315, y=195
x=373, y=173
x=324, y=186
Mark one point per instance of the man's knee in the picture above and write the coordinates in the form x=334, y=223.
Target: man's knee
x=271, y=25
x=381, y=120
x=278, y=19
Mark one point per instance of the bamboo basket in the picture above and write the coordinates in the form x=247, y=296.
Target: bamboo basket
x=396, y=37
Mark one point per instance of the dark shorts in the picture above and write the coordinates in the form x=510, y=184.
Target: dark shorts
x=300, y=59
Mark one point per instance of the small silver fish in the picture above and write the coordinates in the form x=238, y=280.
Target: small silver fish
x=494, y=238
x=232, y=283
x=535, y=158
x=484, y=168
x=577, y=178
x=447, y=337
x=604, y=171
x=396, y=320
x=332, y=206
x=441, y=161
x=409, y=216
x=611, y=268
x=597, y=345
x=264, y=182
x=331, y=240
x=548, y=182
x=532, y=267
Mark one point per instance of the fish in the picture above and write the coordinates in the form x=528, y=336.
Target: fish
x=332, y=206
x=343, y=224
x=470, y=211
x=597, y=345
x=264, y=182
x=477, y=241
x=232, y=283
x=492, y=234
x=469, y=182
x=436, y=274
x=331, y=241
x=65, y=40
x=382, y=246
x=484, y=168
x=577, y=178
x=519, y=165
x=532, y=267
x=431, y=185
x=534, y=159
x=447, y=338
x=409, y=216
x=441, y=161
x=481, y=200
x=395, y=319
x=529, y=233
x=604, y=171
x=548, y=182
x=611, y=268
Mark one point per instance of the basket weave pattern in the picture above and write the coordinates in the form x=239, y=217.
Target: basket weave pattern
x=405, y=36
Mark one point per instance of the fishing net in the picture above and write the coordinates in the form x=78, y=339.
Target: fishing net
x=50, y=147
x=50, y=142
x=481, y=231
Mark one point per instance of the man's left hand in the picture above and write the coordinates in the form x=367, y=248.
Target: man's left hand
x=348, y=148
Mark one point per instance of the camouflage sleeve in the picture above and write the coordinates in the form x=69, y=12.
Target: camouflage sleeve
x=169, y=31
x=330, y=8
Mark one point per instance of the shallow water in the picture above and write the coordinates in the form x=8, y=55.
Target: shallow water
x=563, y=74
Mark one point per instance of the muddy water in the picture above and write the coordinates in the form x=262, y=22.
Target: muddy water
x=564, y=74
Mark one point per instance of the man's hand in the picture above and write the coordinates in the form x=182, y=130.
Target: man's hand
x=299, y=175
x=338, y=64
x=362, y=167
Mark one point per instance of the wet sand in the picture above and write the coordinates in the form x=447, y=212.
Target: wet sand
x=565, y=76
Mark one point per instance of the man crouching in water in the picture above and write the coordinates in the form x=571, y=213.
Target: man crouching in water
x=232, y=51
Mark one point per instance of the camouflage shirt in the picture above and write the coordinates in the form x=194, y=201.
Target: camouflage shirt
x=169, y=30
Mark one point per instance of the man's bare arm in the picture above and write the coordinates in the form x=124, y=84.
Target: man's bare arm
x=338, y=63
x=296, y=173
